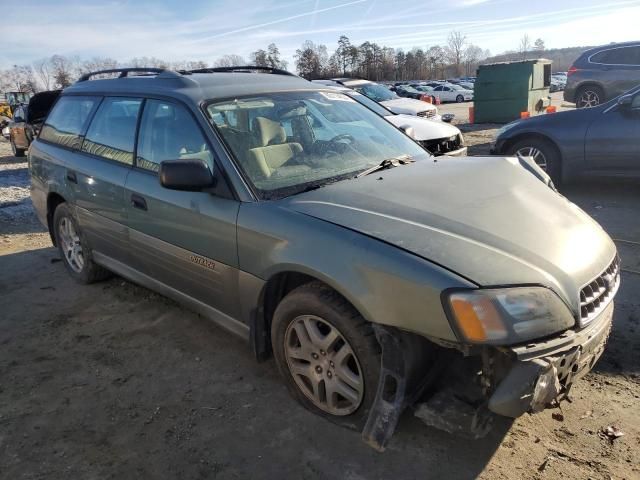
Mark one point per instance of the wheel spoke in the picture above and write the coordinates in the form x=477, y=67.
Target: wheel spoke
x=303, y=337
x=346, y=375
x=317, y=337
x=340, y=388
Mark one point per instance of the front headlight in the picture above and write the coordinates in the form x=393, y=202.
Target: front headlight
x=508, y=315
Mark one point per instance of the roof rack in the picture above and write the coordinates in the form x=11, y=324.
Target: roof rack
x=124, y=72
x=244, y=69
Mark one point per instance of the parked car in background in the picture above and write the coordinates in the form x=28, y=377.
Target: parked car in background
x=591, y=142
x=27, y=119
x=603, y=73
x=409, y=92
x=453, y=93
x=437, y=138
x=389, y=99
x=315, y=230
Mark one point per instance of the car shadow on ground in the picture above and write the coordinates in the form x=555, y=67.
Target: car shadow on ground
x=123, y=380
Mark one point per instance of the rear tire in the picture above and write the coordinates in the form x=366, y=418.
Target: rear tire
x=17, y=152
x=459, y=99
x=548, y=159
x=308, y=319
x=74, y=250
x=589, y=96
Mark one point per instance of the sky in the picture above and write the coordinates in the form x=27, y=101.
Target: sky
x=207, y=29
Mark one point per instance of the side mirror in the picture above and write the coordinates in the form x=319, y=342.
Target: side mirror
x=448, y=117
x=625, y=101
x=186, y=175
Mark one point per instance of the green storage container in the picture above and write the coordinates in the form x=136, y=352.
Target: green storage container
x=503, y=90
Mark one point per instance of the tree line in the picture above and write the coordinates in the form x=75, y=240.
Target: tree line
x=369, y=60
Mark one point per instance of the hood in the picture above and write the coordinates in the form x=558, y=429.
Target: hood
x=423, y=128
x=410, y=106
x=487, y=219
x=40, y=104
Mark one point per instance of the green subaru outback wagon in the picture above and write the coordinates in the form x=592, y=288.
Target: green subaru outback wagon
x=379, y=277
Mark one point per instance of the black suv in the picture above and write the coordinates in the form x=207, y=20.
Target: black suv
x=603, y=73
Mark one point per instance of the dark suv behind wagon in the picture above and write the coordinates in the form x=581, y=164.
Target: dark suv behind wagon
x=603, y=73
x=306, y=223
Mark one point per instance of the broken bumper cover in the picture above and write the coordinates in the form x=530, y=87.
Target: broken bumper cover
x=545, y=371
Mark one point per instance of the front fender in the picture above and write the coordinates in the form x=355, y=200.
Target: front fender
x=386, y=284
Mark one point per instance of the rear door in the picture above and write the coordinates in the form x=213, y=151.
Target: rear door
x=98, y=173
x=613, y=139
x=621, y=66
x=185, y=240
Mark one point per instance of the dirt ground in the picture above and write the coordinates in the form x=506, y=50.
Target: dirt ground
x=113, y=381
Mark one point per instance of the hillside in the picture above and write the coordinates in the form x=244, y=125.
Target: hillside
x=562, y=57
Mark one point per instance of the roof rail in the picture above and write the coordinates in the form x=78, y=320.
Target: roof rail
x=245, y=69
x=124, y=72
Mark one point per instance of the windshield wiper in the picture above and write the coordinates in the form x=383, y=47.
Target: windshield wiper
x=387, y=163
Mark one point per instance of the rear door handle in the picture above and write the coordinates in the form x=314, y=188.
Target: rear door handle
x=71, y=176
x=138, y=202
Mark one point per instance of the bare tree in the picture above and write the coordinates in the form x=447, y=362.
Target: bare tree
x=538, y=45
x=455, y=49
x=44, y=74
x=311, y=59
x=230, y=61
x=259, y=58
x=472, y=55
x=525, y=46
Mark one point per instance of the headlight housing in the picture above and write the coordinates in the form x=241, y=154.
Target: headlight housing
x=508, y=316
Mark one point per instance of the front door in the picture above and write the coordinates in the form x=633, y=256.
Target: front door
x=185, y=240
x=613, y=139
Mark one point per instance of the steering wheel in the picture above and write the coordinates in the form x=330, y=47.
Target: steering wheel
x=342, y=136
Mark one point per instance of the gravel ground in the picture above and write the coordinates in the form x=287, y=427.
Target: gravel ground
x=113, y=381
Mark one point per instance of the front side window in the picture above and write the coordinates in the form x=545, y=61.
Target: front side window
x=169, y=132
x=112, y=131
x=67, y=121
x=289, y=142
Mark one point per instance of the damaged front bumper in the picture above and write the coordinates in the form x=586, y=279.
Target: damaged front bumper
x=469, y=391
x=543, y=372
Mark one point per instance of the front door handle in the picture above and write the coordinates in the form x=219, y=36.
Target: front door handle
x=71, y=176
x=138, y=202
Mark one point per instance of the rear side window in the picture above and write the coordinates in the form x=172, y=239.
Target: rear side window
x=169, y=132
x=67, y=120
x=618, y=56
x=112, y=131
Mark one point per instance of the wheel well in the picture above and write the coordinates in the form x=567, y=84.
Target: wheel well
x=53, y=200
x=538, y=136
x=276, y=288
x=588, y=84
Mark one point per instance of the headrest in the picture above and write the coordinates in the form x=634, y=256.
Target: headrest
x=269, y=132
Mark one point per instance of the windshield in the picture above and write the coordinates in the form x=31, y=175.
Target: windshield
x=370, y=104
x=456, y=87
x=375, y=92
x=287, y=143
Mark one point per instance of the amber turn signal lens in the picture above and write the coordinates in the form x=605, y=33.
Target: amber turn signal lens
x=477, y=318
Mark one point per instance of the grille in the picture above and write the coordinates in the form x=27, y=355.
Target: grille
x=440, y=146
x=596, y=295
x=427, y=113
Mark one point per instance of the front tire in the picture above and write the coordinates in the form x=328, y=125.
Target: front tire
x=589, y=96
x=459, y=99
x=544, y=153
x=74, y=250
x=327, y=354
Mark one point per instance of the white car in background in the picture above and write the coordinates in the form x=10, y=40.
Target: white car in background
x=437, y=137
x=452, y=93
x=384, y=96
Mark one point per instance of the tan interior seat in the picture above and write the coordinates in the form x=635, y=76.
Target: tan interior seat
x=273, y=151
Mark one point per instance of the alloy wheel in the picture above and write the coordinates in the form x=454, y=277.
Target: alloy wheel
x=70, y=242
x=323, y=365
x=589, y=98
x=537, y=155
